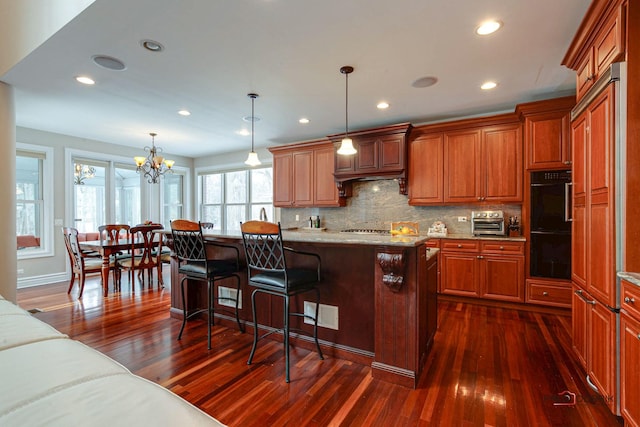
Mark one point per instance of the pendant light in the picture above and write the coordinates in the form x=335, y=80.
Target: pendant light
x=346, y=146
x=252, y=158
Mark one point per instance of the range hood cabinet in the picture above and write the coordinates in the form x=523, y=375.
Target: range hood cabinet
x=382, y=154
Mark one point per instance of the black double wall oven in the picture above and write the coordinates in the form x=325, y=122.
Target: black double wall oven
x=550, y=231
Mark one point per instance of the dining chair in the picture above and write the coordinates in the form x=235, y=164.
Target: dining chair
x=115, y=232
x=269, y=273
x=143, y=257
x=81, y=265
x=197, y=267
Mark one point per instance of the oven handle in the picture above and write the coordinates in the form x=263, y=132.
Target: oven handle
x=567, y=201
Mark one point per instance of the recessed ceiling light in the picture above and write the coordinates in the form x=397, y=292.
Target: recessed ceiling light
x=488, y=27
x=243, y=132
x=152, y=45
x=488, y=85
x=303, y=121
x=108, y=62
x=184, y=112
x=85, y=80
x=425, y=81
x=382, y=105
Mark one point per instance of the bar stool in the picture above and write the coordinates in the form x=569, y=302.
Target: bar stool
x=190, y=249
x=269, y=273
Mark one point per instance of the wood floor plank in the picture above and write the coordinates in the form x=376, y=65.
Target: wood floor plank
x=489, y=366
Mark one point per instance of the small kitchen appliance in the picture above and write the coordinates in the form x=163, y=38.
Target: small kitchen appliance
x=487, y=223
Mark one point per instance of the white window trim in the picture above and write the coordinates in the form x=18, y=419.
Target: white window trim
x=47, y=238
x=186, y=182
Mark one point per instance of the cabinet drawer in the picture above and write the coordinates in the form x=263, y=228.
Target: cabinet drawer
x=460, y=245
x=630, y=299
x=433, y=243
x=503, y=247
x=557, y=296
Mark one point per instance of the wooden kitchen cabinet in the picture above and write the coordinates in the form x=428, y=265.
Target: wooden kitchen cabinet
x=630, y=353
x=426, y=169
x=579, y=322
x=597, y=45
x=303, y=175
x=483, y=268
x=547, y=133
x=483, y=165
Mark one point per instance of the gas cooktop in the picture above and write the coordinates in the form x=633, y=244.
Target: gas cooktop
x=364, y=231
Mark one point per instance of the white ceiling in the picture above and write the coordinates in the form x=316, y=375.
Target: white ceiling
x=290, y=53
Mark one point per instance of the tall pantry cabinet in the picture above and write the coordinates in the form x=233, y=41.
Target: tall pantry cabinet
x=598, y=147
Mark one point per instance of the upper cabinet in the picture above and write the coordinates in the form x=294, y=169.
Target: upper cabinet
x=592, y=52
x=547, y=133
x=303, y=175
x=381, y=153
x=470, y=161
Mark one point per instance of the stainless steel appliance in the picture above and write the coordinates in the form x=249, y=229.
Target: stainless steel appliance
x=550, y=245
x=487, y=223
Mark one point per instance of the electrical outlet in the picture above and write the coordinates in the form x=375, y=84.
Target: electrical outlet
x=462, y=219
x=297, y=217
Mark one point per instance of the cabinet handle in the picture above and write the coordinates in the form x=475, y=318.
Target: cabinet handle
x=630, y=300
x=567, y=162
x=545, y=293
x=479, y=199
x=480, y=257
x=459, y=246
x=639, y=336
x=583, y=298
x=502, y=248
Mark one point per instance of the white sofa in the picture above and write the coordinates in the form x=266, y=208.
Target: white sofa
x=48, y=379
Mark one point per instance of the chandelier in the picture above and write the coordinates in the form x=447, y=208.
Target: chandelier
x=82, y=172
x=154, y=165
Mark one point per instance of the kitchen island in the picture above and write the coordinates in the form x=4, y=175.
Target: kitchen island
x=378, y=299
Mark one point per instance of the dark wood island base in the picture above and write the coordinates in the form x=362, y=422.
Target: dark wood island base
x=384, y=290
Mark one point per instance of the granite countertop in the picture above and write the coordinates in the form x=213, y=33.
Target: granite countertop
x=329, y=236
x=633, y=278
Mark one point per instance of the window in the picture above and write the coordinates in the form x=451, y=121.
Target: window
x=228, y=198
x=33, y=208
x=172, y=198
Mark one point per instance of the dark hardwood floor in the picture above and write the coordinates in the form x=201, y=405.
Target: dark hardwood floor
x=488, y=367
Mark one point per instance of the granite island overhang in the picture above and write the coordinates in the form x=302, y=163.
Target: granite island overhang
x=380, y=291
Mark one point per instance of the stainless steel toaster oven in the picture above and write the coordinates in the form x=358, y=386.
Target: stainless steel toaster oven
x=487, y=223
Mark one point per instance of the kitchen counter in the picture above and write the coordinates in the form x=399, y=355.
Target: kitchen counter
x=382, y=290
x=633, y=278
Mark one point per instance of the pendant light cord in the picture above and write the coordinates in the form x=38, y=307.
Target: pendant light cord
x=253, y=120
x=346, y=106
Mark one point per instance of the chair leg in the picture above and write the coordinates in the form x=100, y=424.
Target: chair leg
x=237, y=302
x=315, y=323
x=184, y=308
x=210, y=287
x=286, y=336
x=81, y=286
x=255, y=326
x=71, y=282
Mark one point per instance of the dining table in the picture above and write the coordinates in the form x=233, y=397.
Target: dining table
x=109, y=247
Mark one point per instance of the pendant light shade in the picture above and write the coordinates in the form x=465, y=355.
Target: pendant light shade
x=252, y=158
x=346, y=146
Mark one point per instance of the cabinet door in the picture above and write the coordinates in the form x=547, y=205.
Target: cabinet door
x=392, y=155
x=585, y=75
x=600, y=351
x=462, y=166
x=600, y=225
x=548, y=140
x=425, y=170
x=609, y=44
x=502, y=164
x=325, y=189
x=630, y=370
x=579, y=223
x=283, y=180
x=502, y=277
x=303, y=178
x=367, y=156
x=579, y=319
x=579, y=155
x=459, y=274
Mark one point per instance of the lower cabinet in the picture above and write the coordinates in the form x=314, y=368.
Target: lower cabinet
x=594, y=343
x=489, y=269
x=551, y=293
x=630, y=354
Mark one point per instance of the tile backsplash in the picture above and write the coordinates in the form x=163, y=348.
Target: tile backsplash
x=375, y=204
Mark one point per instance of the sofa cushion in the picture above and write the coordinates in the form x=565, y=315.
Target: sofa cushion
x=18, y=327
